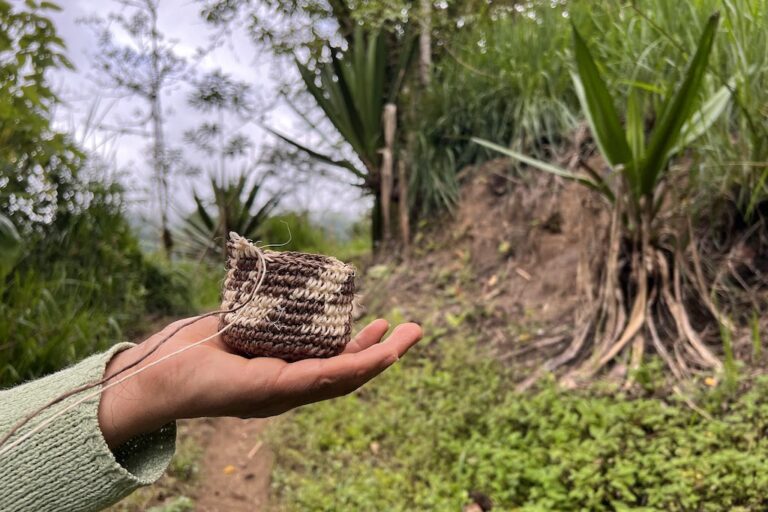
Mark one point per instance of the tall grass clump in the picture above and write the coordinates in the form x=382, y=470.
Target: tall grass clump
x=646, y=43
x=503, y=79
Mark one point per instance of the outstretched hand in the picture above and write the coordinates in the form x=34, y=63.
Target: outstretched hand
x=212, y=380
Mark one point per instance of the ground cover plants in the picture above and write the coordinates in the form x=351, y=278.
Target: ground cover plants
x=444, y=426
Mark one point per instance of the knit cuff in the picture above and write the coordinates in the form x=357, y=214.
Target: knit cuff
x=68, y=465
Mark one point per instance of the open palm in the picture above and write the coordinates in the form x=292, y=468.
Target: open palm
x=213, y=380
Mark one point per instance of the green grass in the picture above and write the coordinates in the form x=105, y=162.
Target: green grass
x=443, y=423
x=507, y=79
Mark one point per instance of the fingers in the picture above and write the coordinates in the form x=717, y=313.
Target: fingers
x=370, y=335
x=318, y=379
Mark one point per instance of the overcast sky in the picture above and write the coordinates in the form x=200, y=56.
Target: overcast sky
x=239, y=57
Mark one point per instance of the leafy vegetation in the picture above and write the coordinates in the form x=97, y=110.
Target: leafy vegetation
x=36, y=161
x=505, y=79
x=638, y=191
x=73, y=279
x=443, y=424
x=84, y=285
x=352, y=92
x=234, y=209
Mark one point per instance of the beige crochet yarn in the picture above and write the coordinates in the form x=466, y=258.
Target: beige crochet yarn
x=303, y=308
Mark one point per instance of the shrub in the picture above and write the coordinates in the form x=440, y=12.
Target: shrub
x=82, y=284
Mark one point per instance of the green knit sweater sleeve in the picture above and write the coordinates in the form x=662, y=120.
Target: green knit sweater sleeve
x=68, y=466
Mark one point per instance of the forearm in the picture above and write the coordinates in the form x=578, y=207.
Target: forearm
x=68, y=464
x=135, y=406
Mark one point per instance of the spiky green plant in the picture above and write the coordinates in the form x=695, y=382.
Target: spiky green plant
x=234, y=208
x=626, y=313
x=352, y=90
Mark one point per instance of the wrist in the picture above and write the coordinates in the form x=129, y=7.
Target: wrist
x=134, y=406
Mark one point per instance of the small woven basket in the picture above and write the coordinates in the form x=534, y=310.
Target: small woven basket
x=303, y=308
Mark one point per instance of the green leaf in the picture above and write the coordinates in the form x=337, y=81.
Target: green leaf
x=264, y=212
x=346, y=164
x=599, y=185
x=31, y=93
x=10, y=246
x=598, y=106
x=635, y=131
x=677, y=110
x=703, y=118
x=407, y=52
x=643, y=86
x=50, y=6
x=251, y=196
x=203, y=213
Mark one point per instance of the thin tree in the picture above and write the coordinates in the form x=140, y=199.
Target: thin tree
x=145, y=67
x=218, y=96
x=240, y=201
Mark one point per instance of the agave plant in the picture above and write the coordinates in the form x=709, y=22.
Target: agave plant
x=233, y=209
x=637, y=192
x=352, y=92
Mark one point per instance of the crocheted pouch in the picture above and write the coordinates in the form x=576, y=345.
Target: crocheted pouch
x=303, y=308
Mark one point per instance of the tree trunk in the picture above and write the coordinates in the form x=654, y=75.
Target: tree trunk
x=158, y=141
x=389, y=120
x=425, y=43
x=402, y=186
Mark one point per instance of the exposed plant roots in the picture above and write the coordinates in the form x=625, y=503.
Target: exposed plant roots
x=650, y=292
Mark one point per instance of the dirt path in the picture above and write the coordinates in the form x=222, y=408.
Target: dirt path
x=235, y=465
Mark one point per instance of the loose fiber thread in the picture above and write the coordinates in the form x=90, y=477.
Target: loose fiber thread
x=6, y=448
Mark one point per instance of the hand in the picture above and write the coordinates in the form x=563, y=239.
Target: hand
x=212, y=380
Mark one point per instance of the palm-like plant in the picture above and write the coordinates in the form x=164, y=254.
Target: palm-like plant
x=627, y=313
x=233, y=209
x=352, y=90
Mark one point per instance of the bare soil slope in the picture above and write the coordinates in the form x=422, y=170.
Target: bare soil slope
x=507, y=260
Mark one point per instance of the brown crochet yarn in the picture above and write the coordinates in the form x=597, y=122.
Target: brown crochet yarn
x=303, y=308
